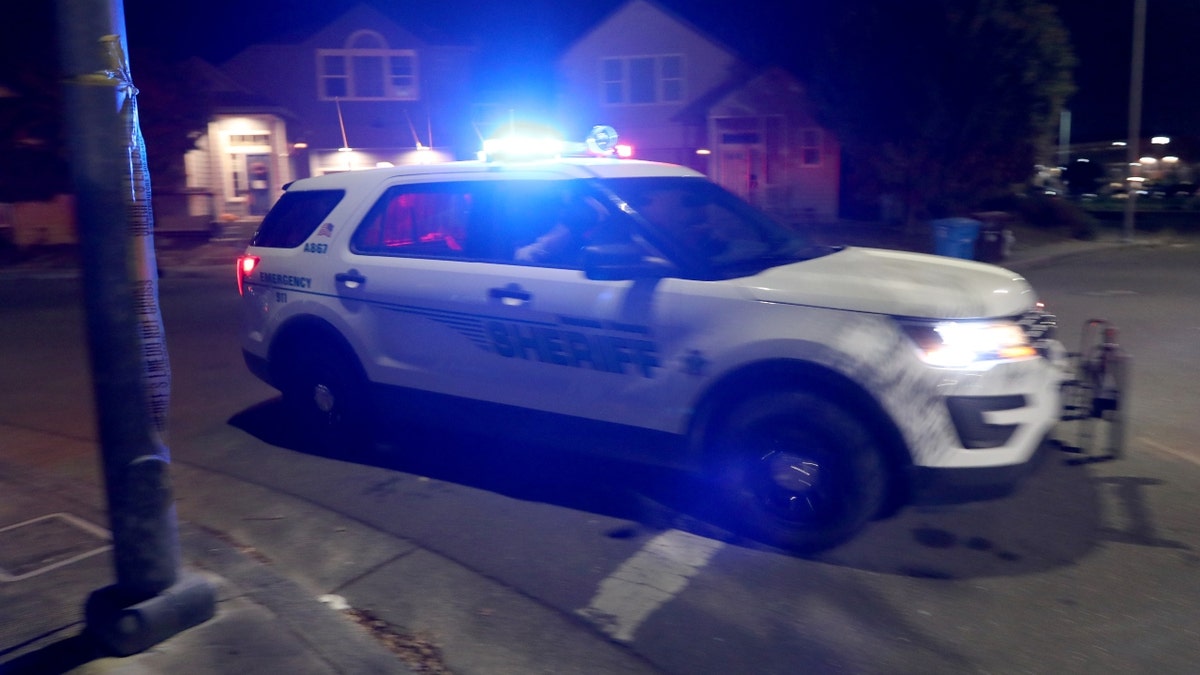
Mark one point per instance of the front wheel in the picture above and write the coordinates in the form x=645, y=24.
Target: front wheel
x=801, y=472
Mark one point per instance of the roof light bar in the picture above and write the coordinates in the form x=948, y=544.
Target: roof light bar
x=522, y=147
x=602, y=142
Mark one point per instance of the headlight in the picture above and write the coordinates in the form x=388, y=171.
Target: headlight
x=959, y=344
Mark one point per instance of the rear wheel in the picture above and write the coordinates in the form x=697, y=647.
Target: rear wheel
x=801, y=472
x=326, y=392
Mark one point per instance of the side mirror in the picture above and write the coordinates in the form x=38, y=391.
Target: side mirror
x=622, y=262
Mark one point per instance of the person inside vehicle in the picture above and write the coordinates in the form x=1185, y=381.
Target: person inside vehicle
x=681, y=215
x=563, y=242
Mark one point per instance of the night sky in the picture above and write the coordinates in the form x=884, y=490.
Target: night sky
x=521, y=39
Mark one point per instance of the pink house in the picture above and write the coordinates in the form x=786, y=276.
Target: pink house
x=677, y=95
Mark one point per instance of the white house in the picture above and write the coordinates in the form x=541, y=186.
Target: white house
x=359, y=92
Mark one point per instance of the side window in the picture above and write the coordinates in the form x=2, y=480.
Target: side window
x=294, y=217
x=425, y=220
x=550, y=223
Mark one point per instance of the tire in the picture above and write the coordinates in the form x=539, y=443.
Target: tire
x=800, y=472
x=325, y=391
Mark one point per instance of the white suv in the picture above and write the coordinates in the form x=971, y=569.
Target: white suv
x=598, y=294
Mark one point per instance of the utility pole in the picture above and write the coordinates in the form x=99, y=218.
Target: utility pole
x=152, y=598
x=1133, y=147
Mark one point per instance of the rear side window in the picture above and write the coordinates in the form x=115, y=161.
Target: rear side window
x=294, y=217
x=419, y=220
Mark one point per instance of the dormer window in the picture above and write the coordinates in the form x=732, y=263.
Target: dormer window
x=367, y=70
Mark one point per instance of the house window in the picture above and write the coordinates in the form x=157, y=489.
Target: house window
x=366, y=70
x=739, y=130
x=252, y=139
x=612, y=80
x=810, y=147
x=671, y=78
x=642, y=79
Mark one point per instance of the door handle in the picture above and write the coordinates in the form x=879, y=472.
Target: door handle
x=350, y=279
x=512, y=294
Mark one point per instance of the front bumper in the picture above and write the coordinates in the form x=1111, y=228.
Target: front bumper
x=972, y=418
x=936, y=485
x=994, y=417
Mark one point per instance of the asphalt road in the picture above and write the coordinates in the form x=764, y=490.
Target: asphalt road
x=1092, y=566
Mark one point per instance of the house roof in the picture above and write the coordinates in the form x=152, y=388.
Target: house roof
x=353, y=19
x=227, y=96
x=770, y=89
x=627, y=6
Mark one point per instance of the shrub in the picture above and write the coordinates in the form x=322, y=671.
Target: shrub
x=1049, y=213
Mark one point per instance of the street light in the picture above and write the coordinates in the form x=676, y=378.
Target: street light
x=1135, y=111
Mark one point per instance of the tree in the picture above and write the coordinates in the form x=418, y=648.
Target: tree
x=174, y=111
x=33, y=156
x=942, y=103
x=32, y=164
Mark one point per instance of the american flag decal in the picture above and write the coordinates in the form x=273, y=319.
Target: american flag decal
x=325, y=230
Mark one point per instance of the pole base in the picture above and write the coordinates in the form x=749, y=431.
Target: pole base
x=126, y=629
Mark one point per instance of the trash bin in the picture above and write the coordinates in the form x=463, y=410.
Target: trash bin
x=994, y=238
x=955, y=237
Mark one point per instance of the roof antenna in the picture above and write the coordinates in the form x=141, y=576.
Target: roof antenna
x=342, y=124
x=413, y=130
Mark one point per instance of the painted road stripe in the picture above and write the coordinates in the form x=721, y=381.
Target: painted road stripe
x=647, y=581
x=1169, y=450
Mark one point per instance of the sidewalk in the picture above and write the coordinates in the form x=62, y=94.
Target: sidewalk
x=278, y=564
x=54, y=551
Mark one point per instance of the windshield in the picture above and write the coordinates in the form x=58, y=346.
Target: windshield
x=706, y=227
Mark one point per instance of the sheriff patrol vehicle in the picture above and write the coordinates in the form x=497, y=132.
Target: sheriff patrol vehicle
x=814, y=385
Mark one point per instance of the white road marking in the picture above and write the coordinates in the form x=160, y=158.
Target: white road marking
x=94, y=530
x=647, y=581
x=1169, y=450
x=335, y=601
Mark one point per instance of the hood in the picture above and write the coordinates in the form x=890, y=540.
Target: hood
x=897, y=283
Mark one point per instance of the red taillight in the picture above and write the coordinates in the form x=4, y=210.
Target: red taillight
x=245, y=266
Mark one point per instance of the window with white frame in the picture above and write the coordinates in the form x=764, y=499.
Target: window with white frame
x=367, y=70
x=642, y=79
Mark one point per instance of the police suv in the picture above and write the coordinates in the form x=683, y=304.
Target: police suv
x=815, y=385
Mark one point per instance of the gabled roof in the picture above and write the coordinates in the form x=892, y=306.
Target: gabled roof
x=627, y=6
x=353, y=19
x=771, y=88
x=226, y=95
x=697, y=111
